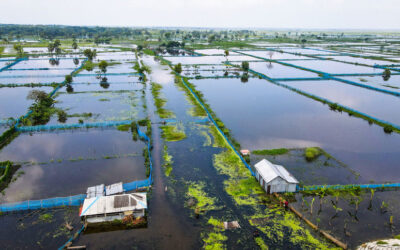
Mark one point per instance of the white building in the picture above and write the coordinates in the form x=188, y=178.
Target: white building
x=274, y=178
x=114, y=207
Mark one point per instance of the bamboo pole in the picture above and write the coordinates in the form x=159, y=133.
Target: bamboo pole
x=315, y=227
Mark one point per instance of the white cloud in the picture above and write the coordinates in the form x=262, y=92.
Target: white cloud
x=210, y=13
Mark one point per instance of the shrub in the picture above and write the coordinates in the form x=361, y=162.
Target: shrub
x=245, y=66
x=178, y=68
x=62, y=116
x=388, y=129
x=68, y=79
x=312, y=153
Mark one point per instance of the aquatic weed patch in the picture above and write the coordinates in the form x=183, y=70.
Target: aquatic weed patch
x=167, y=164
x=281, y=226
x=160, y=102
x=173, y=133
x=203, y=202
x=278, y=151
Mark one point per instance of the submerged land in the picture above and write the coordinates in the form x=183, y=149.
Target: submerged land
x=167, y=112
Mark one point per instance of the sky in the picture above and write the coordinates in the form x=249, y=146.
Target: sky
x=291, y=14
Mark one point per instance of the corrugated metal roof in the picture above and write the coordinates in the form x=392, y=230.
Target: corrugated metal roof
x=95, y=191
x=270, y=171
x=114, y=204
x=114, y=189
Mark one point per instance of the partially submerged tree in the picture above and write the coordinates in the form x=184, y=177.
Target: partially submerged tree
x=90, y=54
x=103, y=66
x=226, y=53
x=386, y=74
x=54, y=47
x=19, y=49
x=76, y=61
x=74, y=44
x=178, y=68
x=68, y=79
x=245, y=77
x=42, y=109
x=245, y=66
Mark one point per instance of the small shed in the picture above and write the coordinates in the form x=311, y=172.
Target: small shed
x=114, y=207
x=274, y=178
x=245, y=152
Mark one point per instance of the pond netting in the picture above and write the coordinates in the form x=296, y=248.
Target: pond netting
x=72, y=126
x=332, y=76
x=324, y=99
x=343, y=187
x=77, y=200
x=216, y=126
x=13, y=63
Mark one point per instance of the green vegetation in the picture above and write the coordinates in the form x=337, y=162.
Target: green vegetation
x=173, y=133
x=278, y=151
x=55, y=47
x=386, y=74
x=124, y=127
x=68, y=79
x=42, y=109
x=103, y=66
x=245, y=66
x=7, y=171
x=312, y=153
x=62, y=116
x=47, y=218
x=149, y=52
x=19, y=49
x=90, y=54
x=167, y=161
x=388, y=129
x=260, y=242
x=203, y=202
x=214, y=240
x=246, y=191
x=160, y=102
x=178, y=68
x=74, y=44
x=221, y=125
x=381, y=242
x=8, y=136
x=142, y=69
x=146, y=160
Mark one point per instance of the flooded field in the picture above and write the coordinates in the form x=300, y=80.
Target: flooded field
x=171, y=123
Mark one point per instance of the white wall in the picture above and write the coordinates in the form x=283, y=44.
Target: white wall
x=278, y=185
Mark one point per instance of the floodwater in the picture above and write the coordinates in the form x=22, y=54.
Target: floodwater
x=380, y=105
x=70, y=145
x=13, y=101
x=274, y=55
x=276, y=70
x=47, y=63
x=360, y=60
x=102, y=104
x=206, y=59
x=268, y=116
x=68, y=178
x=260, y=114
x=307, y=51
x=335, y=67
x=392, y=84
x=214, y=52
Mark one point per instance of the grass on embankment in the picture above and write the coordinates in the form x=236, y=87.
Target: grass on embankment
x=277, y=151
x=160, y=102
